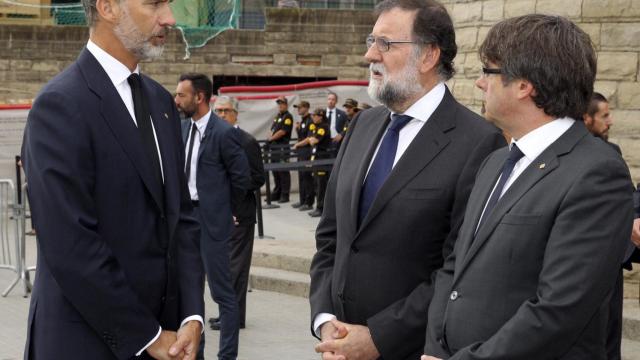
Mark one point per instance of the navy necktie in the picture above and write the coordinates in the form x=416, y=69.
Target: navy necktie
x=514, y=155
x=382, y=164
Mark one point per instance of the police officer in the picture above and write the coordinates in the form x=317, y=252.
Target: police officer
x=305, y=178
x=351, y=108
x=280, y=136
x=320, y=140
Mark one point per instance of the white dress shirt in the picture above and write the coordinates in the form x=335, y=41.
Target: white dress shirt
x=420, y=111
x=332, y=122
x=532, y=145
x=118, y=73
x=201, y=125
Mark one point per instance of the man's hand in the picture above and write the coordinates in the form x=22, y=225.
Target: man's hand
x=160, y=348
x=635, y=232
x=427, y=357
x=337, y=138
x=352, y=342
x=188, y=339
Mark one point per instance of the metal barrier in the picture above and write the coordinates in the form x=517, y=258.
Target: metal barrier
x=13, y=215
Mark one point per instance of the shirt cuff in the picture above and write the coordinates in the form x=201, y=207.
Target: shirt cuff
x=198, y=318
x=150, y=342
x=321, y=319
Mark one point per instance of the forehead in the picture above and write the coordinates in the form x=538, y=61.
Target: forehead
x=224, y=105
x=332, y=96
x=603, y=107
x=395, y=23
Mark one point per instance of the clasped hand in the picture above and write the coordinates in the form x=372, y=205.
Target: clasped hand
x=342, y=341
x=181, y=345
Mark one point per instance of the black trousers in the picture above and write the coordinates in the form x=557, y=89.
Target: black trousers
x=241, y=244
x=282, y=181
x=614, y=325
x=321, y=180
x=307, y=187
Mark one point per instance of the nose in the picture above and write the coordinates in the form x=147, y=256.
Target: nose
x=373, y=55
x=167, y=18
x=481, y=83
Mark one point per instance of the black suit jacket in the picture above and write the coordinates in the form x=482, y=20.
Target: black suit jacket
x=341, y=119
x=379, y=274
x=104, y=279
x=533, y=281
x=244, y=209
x=222, y=175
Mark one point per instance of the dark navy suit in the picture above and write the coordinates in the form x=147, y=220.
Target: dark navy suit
x=113, y=264
x=222, y=175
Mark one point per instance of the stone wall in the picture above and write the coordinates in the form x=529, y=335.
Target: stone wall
x=330, y=43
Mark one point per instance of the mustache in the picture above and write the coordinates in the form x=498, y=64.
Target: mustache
x=377, y=67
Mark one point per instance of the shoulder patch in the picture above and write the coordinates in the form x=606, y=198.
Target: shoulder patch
x=321, y=131
x=288, y=121
x=312, y=127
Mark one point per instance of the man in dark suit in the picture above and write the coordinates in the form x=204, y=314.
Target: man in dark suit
x=337, y=120
x=243, y=209
x=397, y=191
x=548, y=218
x=217, y=173
x=118, y=270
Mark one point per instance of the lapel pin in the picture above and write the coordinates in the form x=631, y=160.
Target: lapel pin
x=542, y=165
x=166, y=116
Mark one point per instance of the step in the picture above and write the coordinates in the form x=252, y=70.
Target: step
x=631, y=320
x=281, y=262
x=281, y=281
x=630, y=349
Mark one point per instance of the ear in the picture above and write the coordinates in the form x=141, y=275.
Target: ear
x=524, y=89
x=108, y=10
x=588, y=120
x=430, y=57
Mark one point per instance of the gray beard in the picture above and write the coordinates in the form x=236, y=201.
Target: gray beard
x=134, y=41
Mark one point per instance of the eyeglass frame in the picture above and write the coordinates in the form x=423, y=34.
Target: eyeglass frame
x=371, y=40
x=224, y=111
x=490, y=71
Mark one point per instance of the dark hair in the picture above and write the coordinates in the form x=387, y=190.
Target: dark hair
x=90, y=12
x=200, y=84
x=332, y=93
x=552, y=53
x=432, y=26
x=596, y=99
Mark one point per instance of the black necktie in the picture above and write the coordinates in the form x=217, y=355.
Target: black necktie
x=143, y=119
x=514, y=155
x=382, y=164
x=187, y=169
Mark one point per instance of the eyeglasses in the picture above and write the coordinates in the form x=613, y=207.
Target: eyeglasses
x=224, y=111
x=488, y=71
x=383, y=44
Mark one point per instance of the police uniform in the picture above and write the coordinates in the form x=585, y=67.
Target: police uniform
x=321, y=150
x=307, y=191
x=282, y=179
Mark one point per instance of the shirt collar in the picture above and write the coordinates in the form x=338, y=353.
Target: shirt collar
x=538, y=140
x=201, y=124
x=423, y=108
x=116, y=70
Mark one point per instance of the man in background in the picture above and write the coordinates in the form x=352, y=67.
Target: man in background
x=336, y=119
x=280, y=136
x=243, y=209
x=217, y=173
x=305, y=178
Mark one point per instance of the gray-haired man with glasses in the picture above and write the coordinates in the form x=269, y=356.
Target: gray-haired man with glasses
x=397, y=192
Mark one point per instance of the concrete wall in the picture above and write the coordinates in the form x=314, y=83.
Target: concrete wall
x=330, y=43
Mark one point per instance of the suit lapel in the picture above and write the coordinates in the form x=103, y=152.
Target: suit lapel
x=162, y=125
x=427, y=144
x=185, y=131
x=527, y=180
x=118, y=118
x=207, y=135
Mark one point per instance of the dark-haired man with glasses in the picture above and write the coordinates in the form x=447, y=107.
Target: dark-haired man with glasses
x=398, y=191
x=548, y=218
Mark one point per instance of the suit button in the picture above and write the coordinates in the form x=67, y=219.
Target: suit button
x=453, y=296
x=354, y=249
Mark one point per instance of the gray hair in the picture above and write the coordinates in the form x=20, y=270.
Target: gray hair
x=90, y=11
x=223, y=99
